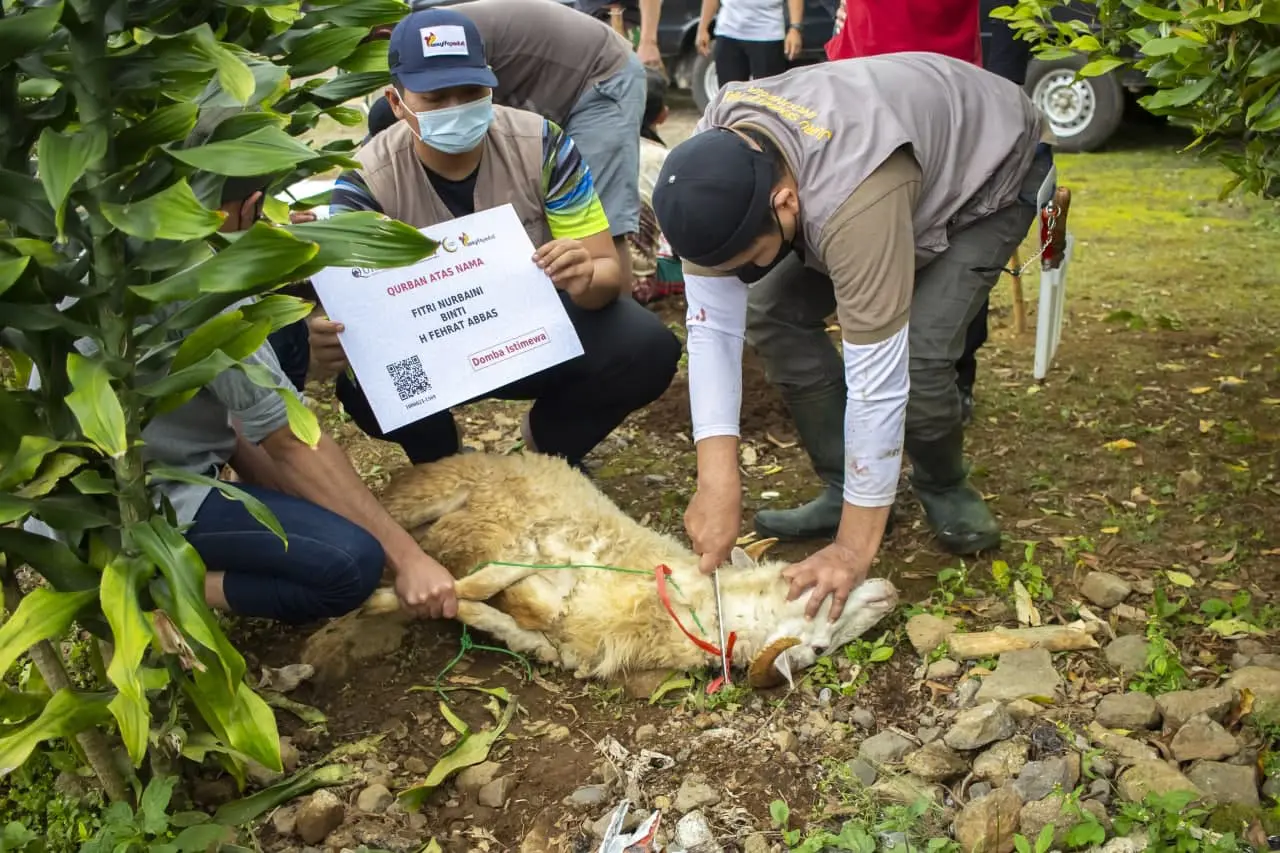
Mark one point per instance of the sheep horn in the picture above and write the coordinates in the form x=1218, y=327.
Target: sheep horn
x=762, y=673
x=756, y=550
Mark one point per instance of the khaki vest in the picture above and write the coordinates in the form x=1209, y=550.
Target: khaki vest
x=973, y=133
x=510, y=172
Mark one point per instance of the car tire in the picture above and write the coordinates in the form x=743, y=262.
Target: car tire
x=1082, y=113
x=703, y=83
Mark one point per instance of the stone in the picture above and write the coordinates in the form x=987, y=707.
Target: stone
x=374, y=799
x=1035, y=816
x=980, y=789
x=966, y=694
x=476, y=776
x=1181, y=705
x=1265, y=660
x=588, y=795
x=926, y=631
x=756, y=843
x=694, y=834
x=988, y=824
x=1271, y=788
x=1039, y=779
x=1127, y=711
x=345, y=644
x=285, y=821
x=942, y=669
x=1022, y=710
x=1002, y=762
x=695, y=793
x=1102, y=767
x=1263, y=682
x=975, y=728
x=863, y=718
x=929, y=734
x=415, y=765
x=906, y=789
x=319, y=815
x=1152, y=777
x=863, y=771
x=786, y=740
x=885, y=748
x=1100, y=790
x=1021, y=674
x=1105, y=589
x=1200, y=738
x=645, y=733
x=495, y=794
x=1124, y=748
x=1127, y=653
x=935, y=762
x=1226, y=784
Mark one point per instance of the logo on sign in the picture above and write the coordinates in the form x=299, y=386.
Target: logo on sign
x=467, y=240
x=361, y=272
x=444, y=41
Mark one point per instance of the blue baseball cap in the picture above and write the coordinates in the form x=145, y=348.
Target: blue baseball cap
x=437, y=49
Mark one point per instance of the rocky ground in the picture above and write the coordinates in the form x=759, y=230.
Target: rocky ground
x=1138, y=491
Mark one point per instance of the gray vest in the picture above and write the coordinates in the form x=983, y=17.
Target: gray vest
x=973, y=133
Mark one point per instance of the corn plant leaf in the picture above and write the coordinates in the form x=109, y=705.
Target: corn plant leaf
x=13, y=508
x=64, y=715
x=364, y=239
x=167, y=124
x=51, y=559
x=239, y=812
x=174, y=213
x=266, y=150
x=19, y=705
x=95, y=405
x=25, y=461
x=42, y=614
x=24, y=29
x=255, y=507
x=11, y=270
x=63, y=160
x=321, y=49
x=182, y=567
x=230, y=332
x=470, y=749
x=234, y=75
x=277, y=310
x=302, y=421
x=263, y=255
x=53, y=471
x=131, y=634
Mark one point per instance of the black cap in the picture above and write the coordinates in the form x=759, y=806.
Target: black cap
x=712, y=197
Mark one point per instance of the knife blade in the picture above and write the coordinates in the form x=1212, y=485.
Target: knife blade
x=724, y=658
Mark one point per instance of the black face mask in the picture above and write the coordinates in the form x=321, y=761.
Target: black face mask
x=751, y=273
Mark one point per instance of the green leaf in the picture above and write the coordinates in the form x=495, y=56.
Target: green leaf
x=229, y=332
x=263, y=255
x=322, y=49
x=11, y=270
x=470, y=749
x=365, y=239
x=56, y=468
x=13, y=508
x=173, y=123
x=240, y=812
x=184, y=571
x=205, y=836
x=262, y=152
x=234, y=75
x=22, y=466
x=63, y=160
x=95, y=405
x=42, y=614
x=132, y=634
x=307, y=713
x=154, y=803
x=51, y=559
x=255, y=507
x=1181, y=96
x=277, y=310
x=174, y=213
x=23, y=203
x=67, y=713
x=370, y=57
x=302, y=421
x=1098, y=67
x=41, y=252
x=880, y=654
x=674, y=681
x=23, y=29
x=1155, y=13
x=1168, y=45
x=780, y=813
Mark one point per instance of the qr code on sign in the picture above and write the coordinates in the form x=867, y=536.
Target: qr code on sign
x=411, y=380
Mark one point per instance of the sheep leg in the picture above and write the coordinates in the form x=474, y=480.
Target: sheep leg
x=489, y=581
x=492, y=621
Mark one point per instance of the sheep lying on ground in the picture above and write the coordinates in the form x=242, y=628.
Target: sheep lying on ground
x=482, y=514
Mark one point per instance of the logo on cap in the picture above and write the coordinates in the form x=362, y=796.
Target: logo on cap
x=443, y=41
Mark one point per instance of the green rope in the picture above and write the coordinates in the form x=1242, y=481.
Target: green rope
x=466, y=644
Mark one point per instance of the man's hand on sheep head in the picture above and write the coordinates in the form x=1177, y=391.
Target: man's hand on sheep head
x=834, y=571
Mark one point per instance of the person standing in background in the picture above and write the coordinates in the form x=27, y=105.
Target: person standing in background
x=753, y=39
x=639, y=24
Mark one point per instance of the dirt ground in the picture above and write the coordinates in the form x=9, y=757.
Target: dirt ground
x=1150, y=448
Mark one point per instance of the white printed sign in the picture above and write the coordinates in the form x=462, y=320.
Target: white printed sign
x=446, y=40
x=474, y=317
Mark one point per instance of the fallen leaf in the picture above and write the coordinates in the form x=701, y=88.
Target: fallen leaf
x=1023, y=606
x=1171, y=367
x=771, y=470
x=779, y=443
x=465, y=679
x=1119, y=444
x=1181, y=579
x=471, y=749
x=1270, y=401
x=1111, y=531
x=1205, y=425
x=548, y=686
x=749, y=455
x=1201, y=389
x=675, y=681
x=1223, y=560
x=1230, y=381
x=1270, y=552
x=1235, y=628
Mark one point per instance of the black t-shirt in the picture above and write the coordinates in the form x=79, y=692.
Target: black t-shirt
x=458, y=196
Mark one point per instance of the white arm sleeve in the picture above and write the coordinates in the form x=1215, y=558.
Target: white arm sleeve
x=716, y=326
x=878, y=380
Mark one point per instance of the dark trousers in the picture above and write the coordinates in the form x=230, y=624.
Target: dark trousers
x=330, y=567
x=737, y=61
x=292, y=346
x=974, y=337
x=629, y=358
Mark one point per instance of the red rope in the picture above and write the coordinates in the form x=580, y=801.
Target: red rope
x=661, y=573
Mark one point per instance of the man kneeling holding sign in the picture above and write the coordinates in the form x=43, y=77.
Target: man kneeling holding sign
x=453, y=154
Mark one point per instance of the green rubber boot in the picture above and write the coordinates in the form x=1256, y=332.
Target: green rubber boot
x=819, y=419
x=955, y=510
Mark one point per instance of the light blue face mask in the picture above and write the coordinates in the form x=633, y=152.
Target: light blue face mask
x=456, y=130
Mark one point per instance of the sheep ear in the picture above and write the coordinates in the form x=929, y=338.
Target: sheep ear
x=740, y=559
x=757, y=550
